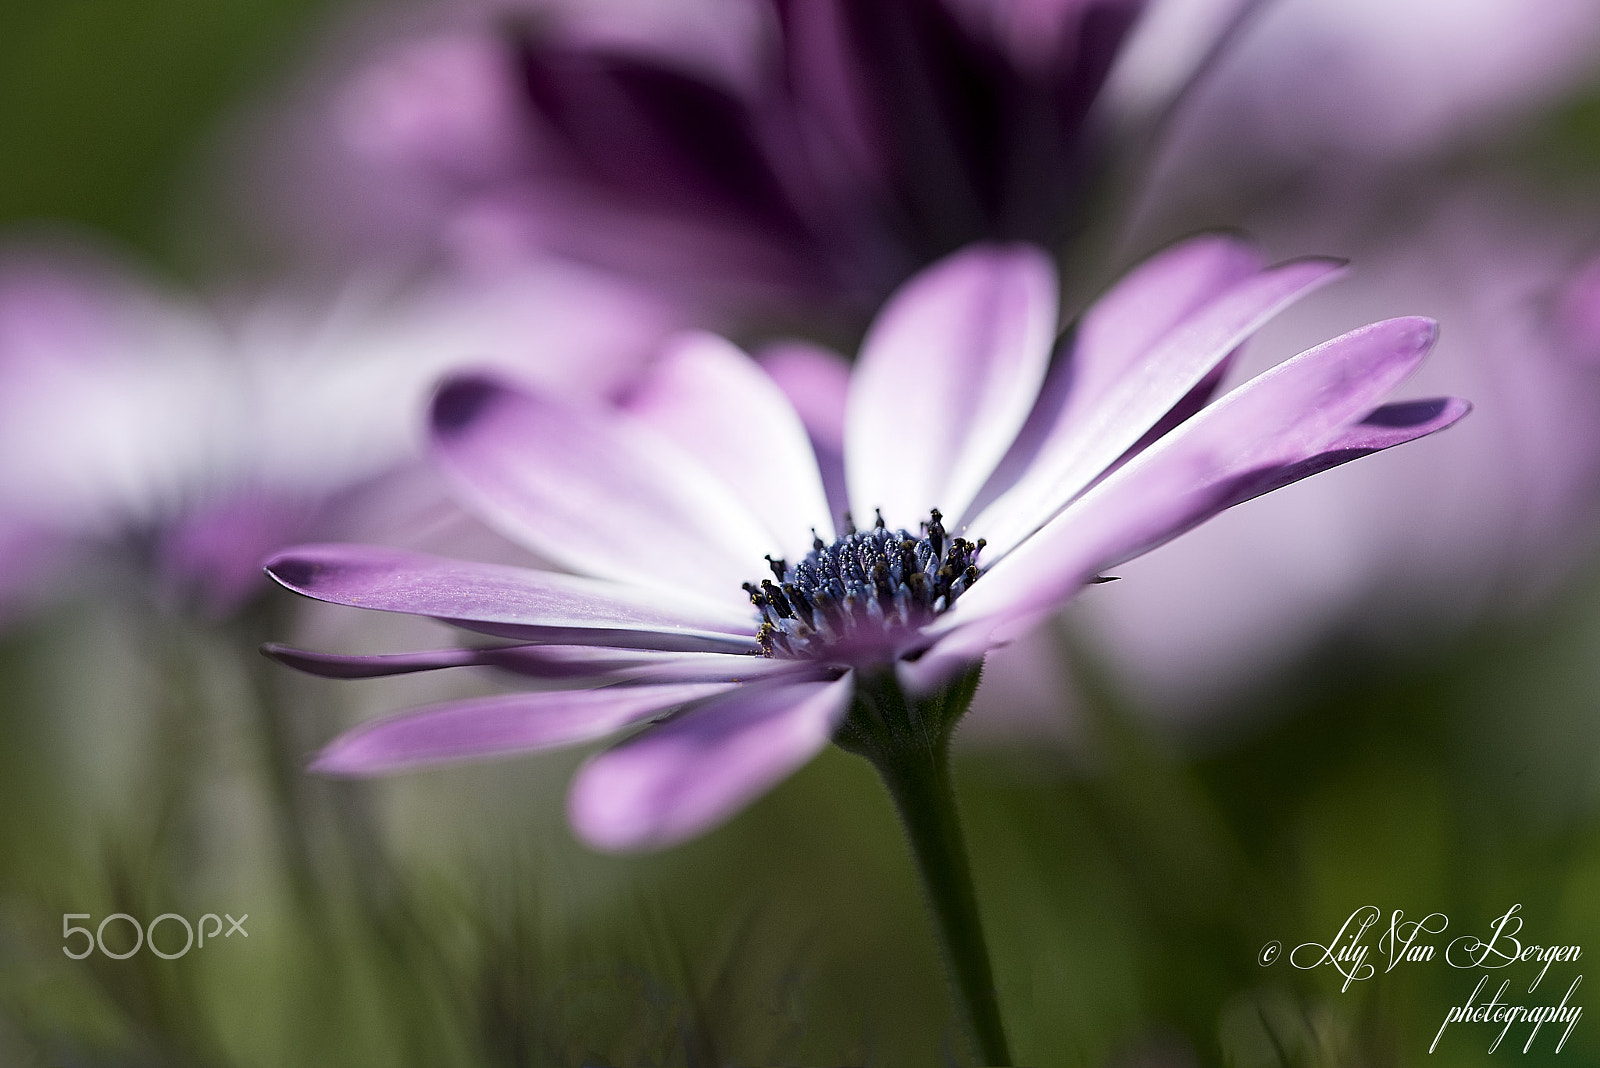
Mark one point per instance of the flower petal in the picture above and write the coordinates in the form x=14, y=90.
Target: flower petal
x=381, y=665
x=1117, y=331
x=594, y=491
x=947, y=376
x=1135, y=393
x=1150, y=302
x=690, y=773
x=937, y=665
x=515, y=602
x=1280, y=419
x=1390, y=425
x=712, y=399
x=596, y=663
x=499, y=726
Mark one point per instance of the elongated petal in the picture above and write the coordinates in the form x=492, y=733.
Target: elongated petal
x=947, y=376
x=499, y=726
x=1088, y=440
x=596, y=492
x=1150, y=302
x=1390, y=425
x=1117, y=332
x=371, y=666
x=510, y=601
x=937, y=666
x=596, y=663
x=1280, y=419
x=713, y=400
x=688, y=774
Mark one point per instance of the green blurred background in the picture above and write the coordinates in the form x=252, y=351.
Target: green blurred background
x=147, y=766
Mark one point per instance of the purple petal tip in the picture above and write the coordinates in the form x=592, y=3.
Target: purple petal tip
x=1424, y=331
x=460, y=401
x=294, y=572
x=275, y=651
x=327, y=762
x=1415, y=413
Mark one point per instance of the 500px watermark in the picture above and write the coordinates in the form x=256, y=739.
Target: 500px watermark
x=145, y=936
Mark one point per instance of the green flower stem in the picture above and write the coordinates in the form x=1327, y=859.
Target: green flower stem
x=908, y=743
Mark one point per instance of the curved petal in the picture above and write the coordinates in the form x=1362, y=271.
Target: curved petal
x=947, y=376
x=690, y=773
x=377, y=666
x=1280, y=419
x=937, y=665
x=1089, y=439
x=1148, y=303
x=587, y=662
x=1390, y=425
x=510, y=601
x=500, y=726
x=709, y=397
x=594, y=491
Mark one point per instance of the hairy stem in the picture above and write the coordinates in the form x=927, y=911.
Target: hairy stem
x=908, y=743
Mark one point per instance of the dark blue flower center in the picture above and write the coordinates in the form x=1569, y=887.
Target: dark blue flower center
x=859, y=599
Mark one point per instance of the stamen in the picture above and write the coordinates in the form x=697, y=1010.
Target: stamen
x=780, y=603
x=864, y=597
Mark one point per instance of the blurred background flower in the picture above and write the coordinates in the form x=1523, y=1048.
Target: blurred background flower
x=754, y=158
x=209, y=437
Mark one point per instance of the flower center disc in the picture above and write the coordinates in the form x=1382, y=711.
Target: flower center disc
x=858, y=600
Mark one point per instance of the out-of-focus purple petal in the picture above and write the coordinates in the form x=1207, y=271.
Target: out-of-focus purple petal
x=947, y=376
x=443, y=105
x=1577, y=315
x=1130, y=403
x=504, y=600
x=500, y=726
x=1284, y=417
x=936, y=666
x=688, y=774
x=1036, y=33
x=712, y=399
x=668, y=139
x=114, y=410
x=214, y=553
x=596, y=492
x=1344, y=83
x=817, y=383
x=595, y=663
x=377, y=666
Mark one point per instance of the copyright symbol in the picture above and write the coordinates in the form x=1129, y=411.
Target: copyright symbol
x=1269, y=953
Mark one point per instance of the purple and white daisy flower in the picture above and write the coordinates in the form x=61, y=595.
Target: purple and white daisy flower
x=719, y=603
